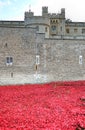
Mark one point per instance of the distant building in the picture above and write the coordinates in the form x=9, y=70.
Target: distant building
x=42, y=49
x=55, y=25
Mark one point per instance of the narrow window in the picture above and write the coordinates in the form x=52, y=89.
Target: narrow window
x=46, y=29
x=5, y=44
x=50, y=21
x=56, y=21
x=11, y=60
x=53, y=21
x=37, y=28
x=37, y=59
x=80, y=59
x=75, y=30
x=67, y=30
x=7, y=60
x=61, y=28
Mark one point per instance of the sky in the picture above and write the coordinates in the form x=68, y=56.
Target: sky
x=14, y=9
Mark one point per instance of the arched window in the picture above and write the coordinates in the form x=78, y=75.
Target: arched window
x=53, y=21
x=53, y=28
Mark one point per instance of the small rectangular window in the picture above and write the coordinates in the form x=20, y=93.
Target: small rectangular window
x=80, y=59
x=67, y=30
x=61, y=28
x=83, y=30
x=53, y=28
x=37, y=59
x=75, y=30
x=37, y=28
x=9, y=60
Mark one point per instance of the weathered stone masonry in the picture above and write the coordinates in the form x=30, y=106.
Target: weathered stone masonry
x=28, y=55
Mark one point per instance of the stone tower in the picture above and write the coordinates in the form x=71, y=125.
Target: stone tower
x=44, y=11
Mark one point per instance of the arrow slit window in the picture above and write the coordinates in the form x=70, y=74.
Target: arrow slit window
x=80, y=59
x=37, y=59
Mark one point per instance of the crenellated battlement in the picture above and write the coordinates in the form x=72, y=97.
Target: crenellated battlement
x=53, y=25
x=46, y=14
x=58, y=15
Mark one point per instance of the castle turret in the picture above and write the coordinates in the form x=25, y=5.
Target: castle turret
x=28, y=14
x=44, y=11
x=63, y=12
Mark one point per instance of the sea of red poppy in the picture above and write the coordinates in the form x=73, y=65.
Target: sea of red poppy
x=51, y=106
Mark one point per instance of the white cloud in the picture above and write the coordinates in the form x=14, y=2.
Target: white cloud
x=8, y=2
x=2, y=3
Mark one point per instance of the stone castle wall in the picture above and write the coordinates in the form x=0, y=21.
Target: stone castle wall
x=59, y=59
